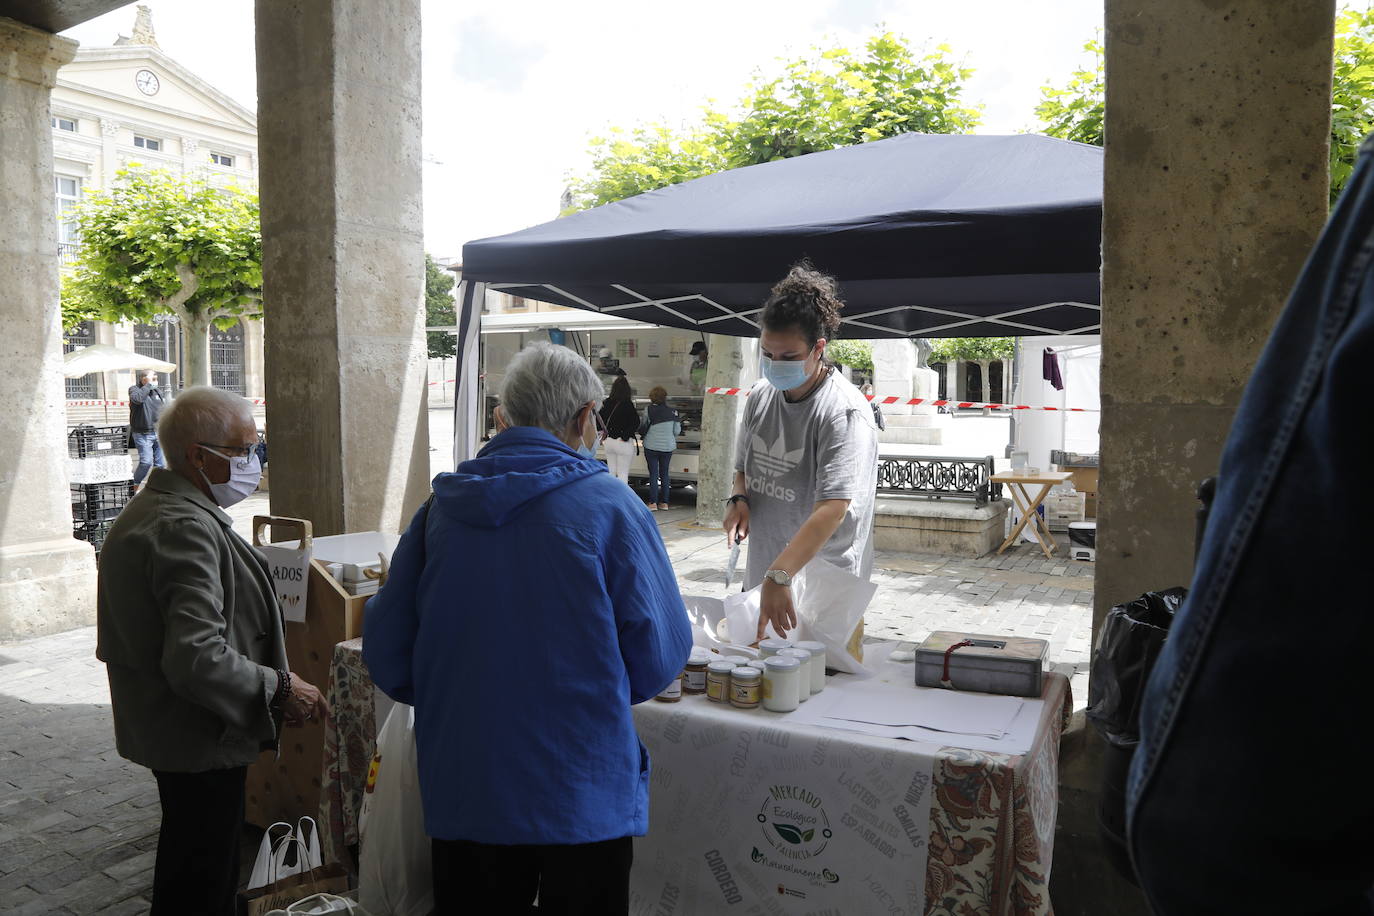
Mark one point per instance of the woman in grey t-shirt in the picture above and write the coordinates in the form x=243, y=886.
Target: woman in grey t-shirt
x=806, y=462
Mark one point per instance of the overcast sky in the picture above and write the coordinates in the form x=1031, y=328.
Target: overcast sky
x=513, y=89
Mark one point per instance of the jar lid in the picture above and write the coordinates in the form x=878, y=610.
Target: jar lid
x=795, y=652
x=810, y=645
x=721, y=667
x=745, y=672
x=781, y=663
x=774, y=645
x=699, y=656
x=739, y=661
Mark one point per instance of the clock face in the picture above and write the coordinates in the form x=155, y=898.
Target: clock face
x=147, y=82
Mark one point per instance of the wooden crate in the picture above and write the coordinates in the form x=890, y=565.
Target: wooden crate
x=286, y=787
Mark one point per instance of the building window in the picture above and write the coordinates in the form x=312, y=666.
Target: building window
x=161, y=340
x=64, y=124
x=222, y=159
x=226, y=359
x=518, y=304
x=84, y=388
x=68, y=190
x=148, y=143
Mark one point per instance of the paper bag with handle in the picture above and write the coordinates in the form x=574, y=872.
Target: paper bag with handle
x=281, y=891
x=290, y=566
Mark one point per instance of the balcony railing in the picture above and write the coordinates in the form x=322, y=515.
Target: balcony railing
x=957, y=478
x=67, y=252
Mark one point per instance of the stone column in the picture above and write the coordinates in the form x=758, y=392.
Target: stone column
x=47, y=578
x=1217, y=121
x=343, y=261
x=733, y=363
x=109, y=157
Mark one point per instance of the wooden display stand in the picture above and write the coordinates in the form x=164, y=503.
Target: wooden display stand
x=286, y=787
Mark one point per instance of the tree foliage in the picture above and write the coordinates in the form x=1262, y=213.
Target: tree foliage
x=829, y=98
x=1352, y=93
x=157, y=243
x=440, y=310
x=1074, y=111
x=856, y=354
x=972, y=349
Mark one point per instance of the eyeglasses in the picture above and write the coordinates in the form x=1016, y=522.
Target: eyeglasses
x=240, y=456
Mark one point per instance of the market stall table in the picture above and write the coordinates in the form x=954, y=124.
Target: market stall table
x=1029, y=506
x=990, y=817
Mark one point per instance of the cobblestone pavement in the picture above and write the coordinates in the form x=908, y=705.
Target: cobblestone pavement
x=78, y=825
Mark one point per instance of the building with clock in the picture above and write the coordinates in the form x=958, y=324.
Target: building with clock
x=131, y=103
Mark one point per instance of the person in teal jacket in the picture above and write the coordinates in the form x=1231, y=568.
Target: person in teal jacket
x=660, y=428
x=529, y=605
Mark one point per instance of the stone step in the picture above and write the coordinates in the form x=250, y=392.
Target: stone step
x=912, y=435
x=925, y=420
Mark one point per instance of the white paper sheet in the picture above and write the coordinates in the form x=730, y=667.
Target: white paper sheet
x=878, y=703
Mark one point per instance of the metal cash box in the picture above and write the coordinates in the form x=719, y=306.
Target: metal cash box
x=1010, y=665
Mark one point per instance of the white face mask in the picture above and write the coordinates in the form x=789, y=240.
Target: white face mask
x=244, y=476
x=152, y=383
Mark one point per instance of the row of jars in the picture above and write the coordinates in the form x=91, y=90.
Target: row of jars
x=784, y=675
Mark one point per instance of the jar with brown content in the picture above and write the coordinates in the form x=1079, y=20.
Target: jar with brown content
x=746, y=687
x=718, y=681
x=672, y=693
x=694, y=675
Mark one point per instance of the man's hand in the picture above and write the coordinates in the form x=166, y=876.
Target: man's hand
x=736, y=522
x=304, y=704
x=775, y=607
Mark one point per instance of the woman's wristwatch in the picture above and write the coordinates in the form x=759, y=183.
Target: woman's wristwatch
x=780, y=576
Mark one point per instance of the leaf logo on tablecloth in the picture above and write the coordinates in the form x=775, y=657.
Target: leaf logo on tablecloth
x=794, y=821
x=794, y=835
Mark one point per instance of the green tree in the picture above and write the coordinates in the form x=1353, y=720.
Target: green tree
x=856, y=354
x=831, y=97
x=979, y=350
x=158, y=243
x=1074, y=111
x=440, y=310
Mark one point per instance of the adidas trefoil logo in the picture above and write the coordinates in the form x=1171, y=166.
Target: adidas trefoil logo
x=775, y=460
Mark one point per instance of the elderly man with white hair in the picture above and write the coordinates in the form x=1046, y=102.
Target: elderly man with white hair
x=529, y=604
x=191, y=637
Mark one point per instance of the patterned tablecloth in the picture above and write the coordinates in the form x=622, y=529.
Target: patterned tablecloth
x=991, y=820
x=350, y=739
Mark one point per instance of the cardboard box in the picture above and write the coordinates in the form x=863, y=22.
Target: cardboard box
x=1084, y=480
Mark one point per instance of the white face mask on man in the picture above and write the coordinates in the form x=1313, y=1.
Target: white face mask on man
x=244, y=476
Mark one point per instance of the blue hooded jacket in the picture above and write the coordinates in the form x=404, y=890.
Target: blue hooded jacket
x=526, y=609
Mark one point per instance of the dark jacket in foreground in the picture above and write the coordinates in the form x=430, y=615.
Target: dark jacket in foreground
x=190, y=632
x=527, y=608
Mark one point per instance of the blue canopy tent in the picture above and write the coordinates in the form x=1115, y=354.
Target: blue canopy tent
x=930, y=235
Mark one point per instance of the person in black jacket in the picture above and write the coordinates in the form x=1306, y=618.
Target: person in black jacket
x=622, y=422
x=145, y=406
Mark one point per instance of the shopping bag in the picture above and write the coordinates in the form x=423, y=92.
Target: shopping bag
x=290, y=566
x=394, y=862
x=310, y=841
x=321, y=905
x=283, y=891
x=271, y=862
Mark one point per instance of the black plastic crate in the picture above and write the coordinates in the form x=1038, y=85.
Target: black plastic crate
x=88, y=441
x=94, y=533
x=98, y=502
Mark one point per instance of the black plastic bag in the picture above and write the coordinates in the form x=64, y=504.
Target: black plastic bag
x=1131, y=639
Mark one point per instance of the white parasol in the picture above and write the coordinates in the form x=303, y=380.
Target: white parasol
x=109, y=358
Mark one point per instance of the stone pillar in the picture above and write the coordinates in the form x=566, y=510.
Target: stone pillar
x=109, y=157
x=733, y=363
x=1215, y=189
x=47, y=578
x=343, y=261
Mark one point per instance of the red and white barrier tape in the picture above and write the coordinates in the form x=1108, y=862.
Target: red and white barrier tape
x=126, y=403
x=933, y=402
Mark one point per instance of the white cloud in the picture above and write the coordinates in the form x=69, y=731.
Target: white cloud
x=506, y=120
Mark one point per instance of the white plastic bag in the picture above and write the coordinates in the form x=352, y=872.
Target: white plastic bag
x=273, y=853
x=310, y=841
x=829, y=601
x=395, y=875
x=710, y=626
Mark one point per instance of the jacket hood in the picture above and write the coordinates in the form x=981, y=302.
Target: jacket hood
x=515, y=468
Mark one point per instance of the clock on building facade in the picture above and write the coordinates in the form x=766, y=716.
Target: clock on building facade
x=147, y=82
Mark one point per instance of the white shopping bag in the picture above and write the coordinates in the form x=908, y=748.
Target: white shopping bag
x=310, y=841
x=829, y=601
x=276, y=848
x=290, y=566
x=395, y=874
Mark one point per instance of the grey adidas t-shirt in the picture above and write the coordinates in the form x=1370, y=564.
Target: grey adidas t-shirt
x=793, y=456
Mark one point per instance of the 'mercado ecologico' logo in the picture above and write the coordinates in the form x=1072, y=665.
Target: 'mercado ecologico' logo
x=775, y=460
x=794, y=822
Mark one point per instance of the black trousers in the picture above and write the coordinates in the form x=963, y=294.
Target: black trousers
x=197, y=867
x=588, y=879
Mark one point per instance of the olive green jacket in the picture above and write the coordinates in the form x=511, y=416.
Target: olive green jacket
x=189, y=631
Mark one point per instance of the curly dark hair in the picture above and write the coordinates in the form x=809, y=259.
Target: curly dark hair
x=620, y=388
x=806, y=300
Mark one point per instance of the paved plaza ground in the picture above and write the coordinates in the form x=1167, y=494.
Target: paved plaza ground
x=78, y=824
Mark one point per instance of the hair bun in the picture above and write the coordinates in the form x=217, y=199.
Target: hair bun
x=807, y=287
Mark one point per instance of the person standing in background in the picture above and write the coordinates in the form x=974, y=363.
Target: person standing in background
x=660, y=430
x=622, y=422
x=697, y=370
x=145, y=406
